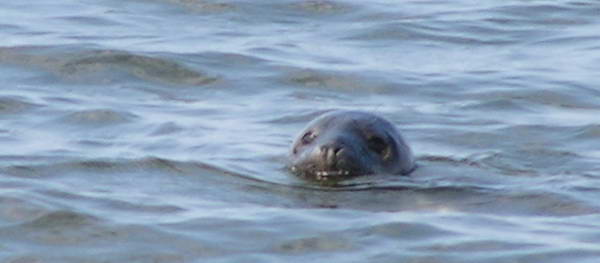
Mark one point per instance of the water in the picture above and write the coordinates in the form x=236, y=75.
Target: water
x=157, y=130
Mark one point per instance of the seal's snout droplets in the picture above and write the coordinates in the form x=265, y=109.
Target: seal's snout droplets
x=342, y=144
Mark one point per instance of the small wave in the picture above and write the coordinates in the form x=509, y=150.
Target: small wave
x=141, y=66
x=11, y=105
x=99, y=117
x=527, y=161
x=148, y=163
x=337, y=81
x=322, y=244
x=204, y=6
x=414, y=231
x=495, y=105
x=165, y=129
x=63, y=220
x=303, y=7
x=323, y=6
x=562, y=13
x=575, y=41
x=107, y=166
x=88, y=20
x=95, y=65
x=588, y=132
x=449, y=160
x=18, y=209
x=437, y=32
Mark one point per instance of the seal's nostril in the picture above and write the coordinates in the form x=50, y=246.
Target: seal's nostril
x=338, y=149
x=332, y=149
x=324, y=148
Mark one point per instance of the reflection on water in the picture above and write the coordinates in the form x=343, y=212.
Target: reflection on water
x=163, y=126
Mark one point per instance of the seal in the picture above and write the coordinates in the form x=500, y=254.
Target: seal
x=343, y=144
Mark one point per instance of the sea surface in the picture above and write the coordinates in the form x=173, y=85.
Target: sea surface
x=158, y=130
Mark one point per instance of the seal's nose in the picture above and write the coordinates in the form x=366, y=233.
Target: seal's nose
x=331, y=152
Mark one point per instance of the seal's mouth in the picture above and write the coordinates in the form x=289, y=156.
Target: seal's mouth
x=332, y=173
x=324, y=174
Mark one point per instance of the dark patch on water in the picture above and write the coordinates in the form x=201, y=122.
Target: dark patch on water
x=14, y=105
x=100, y=117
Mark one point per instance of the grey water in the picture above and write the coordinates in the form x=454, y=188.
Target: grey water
x=158, y=130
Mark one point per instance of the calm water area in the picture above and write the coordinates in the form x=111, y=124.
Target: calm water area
x=158, y=130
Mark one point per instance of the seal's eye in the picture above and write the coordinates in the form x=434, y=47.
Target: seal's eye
x=377, y=144
x=308, y=137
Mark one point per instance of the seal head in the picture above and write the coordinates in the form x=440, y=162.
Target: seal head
x=343, y=144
